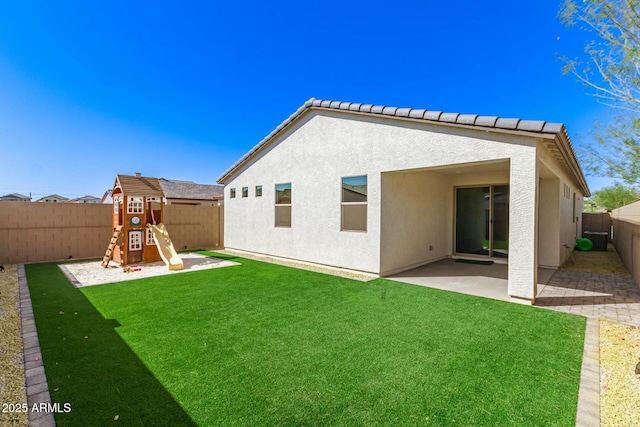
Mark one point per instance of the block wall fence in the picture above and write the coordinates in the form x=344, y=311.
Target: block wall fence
x=36, y=232
x=626, y=237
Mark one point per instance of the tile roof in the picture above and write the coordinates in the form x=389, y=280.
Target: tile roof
x=174, y=189
x=85, y=198
x=474, y=120
x=16, y=195
x=52, y=196
x=359, y=189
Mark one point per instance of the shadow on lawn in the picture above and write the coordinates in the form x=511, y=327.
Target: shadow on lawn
x=87, y=363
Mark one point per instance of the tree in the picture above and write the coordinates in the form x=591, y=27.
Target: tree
x=615, y=150
x=612, y=74
x=610, y=198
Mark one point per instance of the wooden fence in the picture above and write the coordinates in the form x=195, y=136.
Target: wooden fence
x=599, y=222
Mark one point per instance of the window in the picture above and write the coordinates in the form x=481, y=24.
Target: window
x=283, y=205
x=232, y=193
x=135, y=205
x=258, y=190
x=150, y=239
x=245, y=191
x=115, y=205
x=135, y=240
x=354, y=204
x=574, y=207
x=154, y=199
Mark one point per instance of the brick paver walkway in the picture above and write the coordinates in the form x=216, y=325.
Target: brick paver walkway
x=593, y=295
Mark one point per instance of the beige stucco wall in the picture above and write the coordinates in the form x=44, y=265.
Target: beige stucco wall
x=415, y=219
x=324, y=146
x=549, y=248
x=418, y=210
x=570, y=225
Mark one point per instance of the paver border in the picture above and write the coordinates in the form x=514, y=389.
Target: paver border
x=37, y=387
x=589, y=392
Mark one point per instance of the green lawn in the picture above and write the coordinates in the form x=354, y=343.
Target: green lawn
x=261, y=344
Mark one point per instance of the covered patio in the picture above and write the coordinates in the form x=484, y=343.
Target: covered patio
x=488, y=281
x=587, y=285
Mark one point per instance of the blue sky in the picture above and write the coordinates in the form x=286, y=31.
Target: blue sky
x=89, y=90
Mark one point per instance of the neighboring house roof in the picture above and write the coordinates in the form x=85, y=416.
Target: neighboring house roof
x=15, y=196
x=86, y=199
x=52, y=196
x=359, y=189
x=565, y=155
x=139, y=186
x=174, y=189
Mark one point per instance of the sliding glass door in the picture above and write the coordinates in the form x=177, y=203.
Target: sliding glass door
x=482, y=221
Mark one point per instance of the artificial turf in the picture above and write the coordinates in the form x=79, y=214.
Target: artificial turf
x=262, y=344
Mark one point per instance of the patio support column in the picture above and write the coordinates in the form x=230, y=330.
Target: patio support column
x=523, y=235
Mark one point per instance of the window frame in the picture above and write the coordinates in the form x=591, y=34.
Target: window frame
x=135, y=205
x=282, y=205
x=232, y=193
x=135, y=240
x=258, y=191
x=245, y=192
x=344, y=204
x=149, y=239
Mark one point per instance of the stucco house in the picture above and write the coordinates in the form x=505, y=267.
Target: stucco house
x=15, y=197
x=383, y=189
x=53, y=198
x=86, y=199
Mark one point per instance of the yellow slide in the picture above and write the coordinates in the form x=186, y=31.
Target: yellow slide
x=165, y=247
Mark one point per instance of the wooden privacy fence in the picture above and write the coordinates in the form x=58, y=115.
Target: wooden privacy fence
x=599, y=222
x=35, y=232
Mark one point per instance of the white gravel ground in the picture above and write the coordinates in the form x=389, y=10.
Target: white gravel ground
x=92, y=273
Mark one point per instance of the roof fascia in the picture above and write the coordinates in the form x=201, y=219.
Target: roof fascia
x=566, y=149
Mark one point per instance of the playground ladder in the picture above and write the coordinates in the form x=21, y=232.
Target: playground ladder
x=112, y=244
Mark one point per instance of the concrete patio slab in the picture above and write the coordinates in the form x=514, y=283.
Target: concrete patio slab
x=489, y=281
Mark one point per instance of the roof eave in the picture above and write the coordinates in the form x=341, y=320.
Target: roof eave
x=570, y=156
x=538, y=129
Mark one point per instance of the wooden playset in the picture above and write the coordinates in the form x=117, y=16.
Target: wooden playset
x=139, y=234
